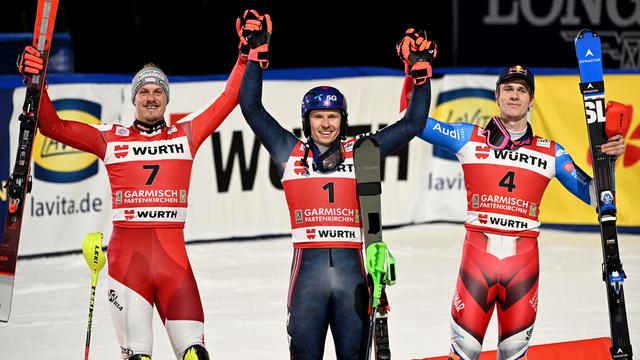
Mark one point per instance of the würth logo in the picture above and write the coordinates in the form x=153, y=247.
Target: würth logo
x=121, y=151
x=482, y=152
x=129, y=214
x=483, y=218
x=159, y=149
x=157, y=214
x=299, y=168
x=311, y=234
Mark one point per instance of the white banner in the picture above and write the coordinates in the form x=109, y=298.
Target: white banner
x=232, y=193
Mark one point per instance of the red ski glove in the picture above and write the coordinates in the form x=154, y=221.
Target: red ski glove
x=618, y=119
x=258, y=39
x=246, y=25
x=30, y=61
x=417, y=53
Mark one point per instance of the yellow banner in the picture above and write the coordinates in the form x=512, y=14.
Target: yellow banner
x=558, y=114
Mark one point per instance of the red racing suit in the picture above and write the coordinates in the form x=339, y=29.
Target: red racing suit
x=149, y=174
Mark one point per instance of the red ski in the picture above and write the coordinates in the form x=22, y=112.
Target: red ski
x=19, y=183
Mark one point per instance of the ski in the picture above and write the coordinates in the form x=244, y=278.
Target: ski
x=589, y=54
x=19, y=183
x=366, y=160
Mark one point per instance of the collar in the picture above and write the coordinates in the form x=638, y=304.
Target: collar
x=149, y=128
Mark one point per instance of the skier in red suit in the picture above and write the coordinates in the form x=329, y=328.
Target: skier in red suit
x=506, y=171
x=149, y=165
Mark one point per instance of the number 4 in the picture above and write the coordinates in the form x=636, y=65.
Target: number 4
x=508, y=181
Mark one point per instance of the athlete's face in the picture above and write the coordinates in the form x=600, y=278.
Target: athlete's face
x=514, y=100
x=325, y=126
x=151, y=103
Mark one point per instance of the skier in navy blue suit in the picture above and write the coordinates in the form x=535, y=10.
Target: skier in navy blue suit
x=328, y=286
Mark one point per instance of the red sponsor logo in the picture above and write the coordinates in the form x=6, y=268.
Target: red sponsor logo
x=483, y=218
x=299, y=168
x=129, y=214
x=311, y=234
x=568, y=167
x=121, y=151
x=482, y=152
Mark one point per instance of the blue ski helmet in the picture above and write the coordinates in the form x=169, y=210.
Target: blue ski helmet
x=320, y=98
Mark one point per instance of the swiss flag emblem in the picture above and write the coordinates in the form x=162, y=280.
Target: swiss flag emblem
x=311, y=234
x=129, y=214
x=483, y=218
x=482, y=152
x=121, y=151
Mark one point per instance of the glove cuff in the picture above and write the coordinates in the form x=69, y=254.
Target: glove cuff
x=420, y=72
x=260, y=55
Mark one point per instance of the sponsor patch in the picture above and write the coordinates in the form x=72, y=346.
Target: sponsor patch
x=311, y=234
x=129, y=214
x=483, y=218
x=482, y=152
x=543, y=143
x=121, y=131
x=532, y=209
x=568, y=167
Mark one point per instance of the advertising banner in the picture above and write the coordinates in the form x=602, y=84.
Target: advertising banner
x=235, y=191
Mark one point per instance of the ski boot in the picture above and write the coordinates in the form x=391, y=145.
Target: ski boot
x=196, y=352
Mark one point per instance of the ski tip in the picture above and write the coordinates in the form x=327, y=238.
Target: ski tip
x=584, y=32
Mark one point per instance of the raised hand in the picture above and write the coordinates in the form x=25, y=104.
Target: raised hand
x=246, y=25
x=417, y=53
x=30, y=61
x=257, y=33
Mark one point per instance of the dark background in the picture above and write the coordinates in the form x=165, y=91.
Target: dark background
x=189, y=37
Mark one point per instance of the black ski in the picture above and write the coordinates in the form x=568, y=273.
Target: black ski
x=19, y=183
x=367, y=166
x=589, y=53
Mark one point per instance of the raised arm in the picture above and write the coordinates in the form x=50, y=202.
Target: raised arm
x=76, y=134
x=417, y=54
x=206, y=120
x=402, y=131
x=277, y=140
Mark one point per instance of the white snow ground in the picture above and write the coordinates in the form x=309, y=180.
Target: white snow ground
x=244, y=285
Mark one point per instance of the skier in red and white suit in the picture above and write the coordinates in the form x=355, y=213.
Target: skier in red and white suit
x=506, y=171
x=149, y=165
